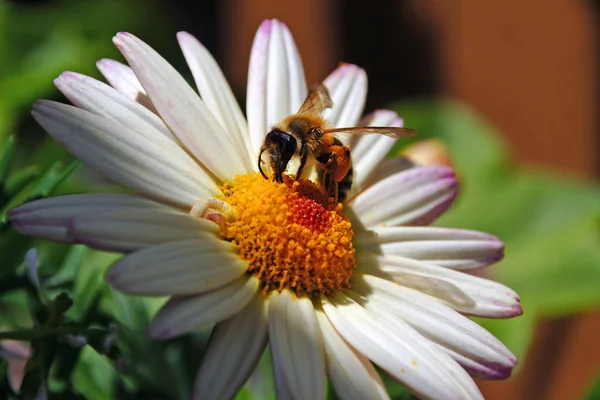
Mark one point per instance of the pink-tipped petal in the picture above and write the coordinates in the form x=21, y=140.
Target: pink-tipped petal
x=123, y=79
x=181, y=315
x=465, y=293
x=182, y=109
x=229, y=361
x=369, y=150
x=416, y=196
x=132, y=229
x=386, y=168
x=351, y=374
x=462, y=339
x=297, y=345
x=217, y=94
x=348, y=89
x=50, y=218
x=103, y=100
x=400, y=350
x=186, y=267
x=125, y=156
x=450, y=248
x=276, y=83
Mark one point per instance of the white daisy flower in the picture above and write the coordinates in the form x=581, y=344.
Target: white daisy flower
x=331, y=291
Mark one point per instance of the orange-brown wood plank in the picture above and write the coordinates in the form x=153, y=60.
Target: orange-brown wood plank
x=529, y=66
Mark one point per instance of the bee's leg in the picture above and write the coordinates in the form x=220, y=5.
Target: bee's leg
x=327, y=165
x=303, y=157
x=332, y=189
x=276, y=167
x=262, y=150
x=345, y=185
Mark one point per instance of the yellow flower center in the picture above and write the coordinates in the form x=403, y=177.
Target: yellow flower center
x=290, y=235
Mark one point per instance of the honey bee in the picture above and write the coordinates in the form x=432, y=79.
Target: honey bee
x=305, y=133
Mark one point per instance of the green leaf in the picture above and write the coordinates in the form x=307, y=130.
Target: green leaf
x=51, y=179
x=6, y=153
x=69, y=268
x=594, y=393
x=89, y=280
x=94, y=375
x=43, y=187
x=148, y=367
x=20, y=179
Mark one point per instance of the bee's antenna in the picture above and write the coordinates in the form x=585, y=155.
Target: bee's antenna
x=260, y=163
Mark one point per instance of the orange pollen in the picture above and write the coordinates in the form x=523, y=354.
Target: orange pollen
x=290, y=235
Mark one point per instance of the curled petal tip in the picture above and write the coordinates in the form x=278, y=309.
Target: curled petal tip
x=61, y=79
x=120, y=40
x=123, y=35
x=266, y=26
x=111, y=277
x=106, y=63
x=41, y=105
x=150, y=332
x=155, y=333
x=429, y=152
x=516, y=310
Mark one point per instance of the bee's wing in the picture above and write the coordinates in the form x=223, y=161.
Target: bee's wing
x=317, y=101
x=390, y=131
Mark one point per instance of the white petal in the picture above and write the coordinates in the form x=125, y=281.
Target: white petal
x=181, y=108
x=122, y=78
x=468, y=343
x=217, y=94
x=348, y=89
x=276, y=83
x=234, y=349
x=363, y=145
x=282, y=389
x=351, y=374
x=296, y=79
x=178, y=268
x=386, y=168
x=125, y=156
x=49, y=218
x=413, y=197
x=479, y=369
x=184, y=314
x=485, y=298
x=103, y=100
x=462, y=381
x=370, y=150
x=128, y=230
x=404, y=354
x=450, y=248
x=297, y=344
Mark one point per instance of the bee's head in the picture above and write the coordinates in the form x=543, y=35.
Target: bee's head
x=280, y=146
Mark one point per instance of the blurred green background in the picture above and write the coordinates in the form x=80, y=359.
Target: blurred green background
x=549, y=221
